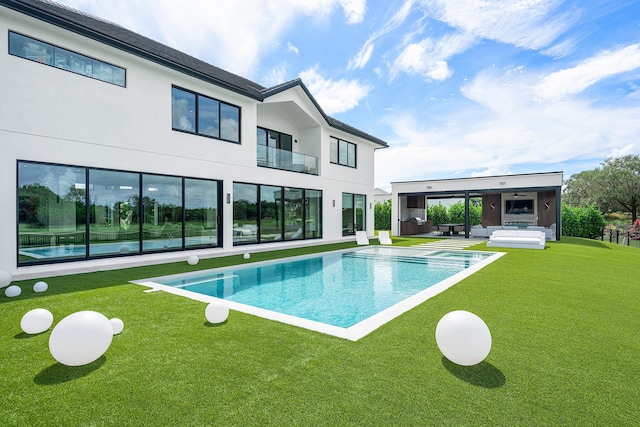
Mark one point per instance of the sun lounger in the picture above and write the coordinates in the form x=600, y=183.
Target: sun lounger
x=383, y=238
x=361, y=238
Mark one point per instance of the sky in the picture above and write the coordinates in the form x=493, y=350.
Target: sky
x=457, y=89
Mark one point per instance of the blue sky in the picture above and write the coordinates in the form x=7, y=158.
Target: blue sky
x=457, y=88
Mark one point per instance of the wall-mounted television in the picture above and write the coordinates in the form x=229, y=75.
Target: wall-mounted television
x=518, y=207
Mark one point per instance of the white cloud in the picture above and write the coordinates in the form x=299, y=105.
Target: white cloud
x=362, y=57
x=502, y=126
x=523, y=23
x=428, y=57
x=276, y=76
x=292, y=48
x=590, y=71
x=354, y=10
x=233, y=35
x=334, y=96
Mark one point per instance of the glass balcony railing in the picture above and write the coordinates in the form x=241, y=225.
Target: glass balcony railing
x=276, y=158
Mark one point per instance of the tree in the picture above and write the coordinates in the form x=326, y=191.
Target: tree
x=615, y=186
x=382, y=215
x=621, y=181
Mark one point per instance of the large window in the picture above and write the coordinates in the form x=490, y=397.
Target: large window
x=313, y=214
x=52, y=212
x=342, y=152
x=200, y=212
x=114, y=215
x=245, y=213
x=195, y=113
x=354, y=214
x=265, y=213
x=161, y=212
x=45, y=53
x=127, y=213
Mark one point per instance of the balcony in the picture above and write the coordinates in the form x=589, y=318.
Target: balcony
x=275, y=158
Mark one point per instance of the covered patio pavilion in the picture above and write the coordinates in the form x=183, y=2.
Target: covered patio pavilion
x=524, y=200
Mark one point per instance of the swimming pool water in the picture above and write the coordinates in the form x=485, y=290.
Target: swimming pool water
x=338, y=288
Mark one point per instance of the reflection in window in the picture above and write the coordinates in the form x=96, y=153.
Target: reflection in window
x=270, y=213
x=313, y=214
x=51, y=212
x=209, y=116
x=245, y=213
x=162, y=212
x=45, y=53
x=342, y=152
x=183, y=110
x=114, y=224
x=200, y=212
x=195, y=113
x=353, y=213
x=229, y=122
x=283, y=213
x=293, y=214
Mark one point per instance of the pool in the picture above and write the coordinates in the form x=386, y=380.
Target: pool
x=345, y=293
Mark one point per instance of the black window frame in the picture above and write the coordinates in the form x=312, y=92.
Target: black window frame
x=52, y=64
x=340, y=161
x=283, y=237
x=197, y=130
x=219, y=242
x=279, y=138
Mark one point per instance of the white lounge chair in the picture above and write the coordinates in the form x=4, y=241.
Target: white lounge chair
x=384, y=238
x=361, y=238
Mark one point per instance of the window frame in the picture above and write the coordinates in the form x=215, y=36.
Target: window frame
x=216, y=243
x=196, y=116
x=54, y=48
x=335, y=152
x=281, y=202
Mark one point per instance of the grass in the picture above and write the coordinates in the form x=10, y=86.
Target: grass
x=564, y=323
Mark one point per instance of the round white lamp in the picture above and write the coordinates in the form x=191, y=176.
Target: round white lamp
x=80, y=338
x=40, y=286
x=463, y=338
x=36, y=321
x=216, y=312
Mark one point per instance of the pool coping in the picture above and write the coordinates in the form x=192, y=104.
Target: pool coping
x=352, y=333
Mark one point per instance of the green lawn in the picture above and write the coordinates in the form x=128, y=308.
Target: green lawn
x=566, y=340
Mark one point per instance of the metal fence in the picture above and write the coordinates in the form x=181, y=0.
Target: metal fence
x=628, y=237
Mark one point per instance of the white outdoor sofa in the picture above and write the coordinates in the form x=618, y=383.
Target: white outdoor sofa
x=525, y=239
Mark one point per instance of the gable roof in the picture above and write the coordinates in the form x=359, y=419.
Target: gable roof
x=126, y=40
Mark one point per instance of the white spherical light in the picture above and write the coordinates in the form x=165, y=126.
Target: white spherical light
x=36, y=321
x=80, y=338
x=117, y=324
x=463, y=338
x=5, y=278
x=216, y=312
x=13, y=291
x=40, y=287
x=246, y=256
x=193, y=260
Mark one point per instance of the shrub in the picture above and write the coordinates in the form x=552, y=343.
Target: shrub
x=382, y=215
x=581, y=221
x=437, y=214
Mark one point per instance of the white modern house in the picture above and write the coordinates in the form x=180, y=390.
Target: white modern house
x=119, y=151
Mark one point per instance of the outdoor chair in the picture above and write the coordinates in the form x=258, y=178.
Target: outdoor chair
x=384, y=238
x=361, y=238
